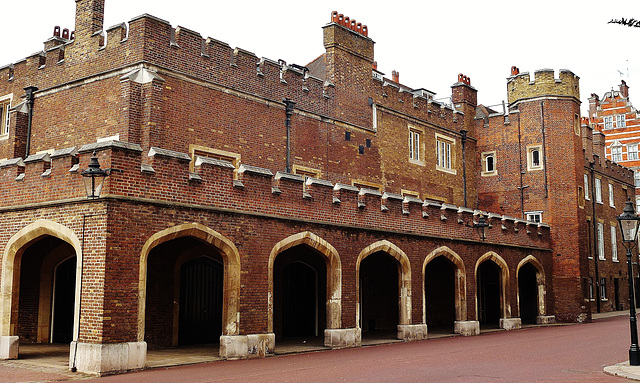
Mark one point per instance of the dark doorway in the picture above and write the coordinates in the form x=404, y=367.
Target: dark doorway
x=300, y=300
x=200, y=301
x=528, y=290
x=489, y=293
x=300, y=291
x=440, y=294
x=379, y=294
x=64, y=296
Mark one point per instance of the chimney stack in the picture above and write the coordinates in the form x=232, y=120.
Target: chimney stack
x=624, y=89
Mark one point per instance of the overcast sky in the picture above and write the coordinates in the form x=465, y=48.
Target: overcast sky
x=428, y=42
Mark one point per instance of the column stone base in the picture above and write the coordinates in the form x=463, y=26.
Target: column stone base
x=545, y=319
x=343, y=337
x=466, y=327
x=411, y=332
x=247, y=346
x=511, y=323
x=9, y=347
x=109, y=358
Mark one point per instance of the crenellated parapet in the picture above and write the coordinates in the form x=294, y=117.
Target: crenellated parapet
x=522, y=86
x=611, y=169
x=166, y=178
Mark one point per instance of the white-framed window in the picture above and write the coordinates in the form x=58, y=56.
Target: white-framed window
x=444, y=154
x=586, y=187
x=534, y=216
x=414, y=145
x=614, y=244
x=621, y=121
x=534, y=157
x=600, y=241
x=598, y=190
x=616, y=153
x=489, y=164
x=603, y=289
x=591, y=288
x=636, y=178
x=5, y=105
x=637, y=203
x=611, y=200
x=608, y=122
x=632, y=152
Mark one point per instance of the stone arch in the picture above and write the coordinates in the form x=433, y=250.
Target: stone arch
x=404, y=300
x=9, y=291
x=460, y=282
x=231, y=277
x=540, y=279
x=334, y=275
x=504, y=281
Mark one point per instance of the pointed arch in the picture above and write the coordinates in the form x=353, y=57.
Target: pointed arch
x=460, y=282
x=334, y=275
x=540, y=280
x=504, y=281
x=17, y=244
x=231, y=277
x=404, y=300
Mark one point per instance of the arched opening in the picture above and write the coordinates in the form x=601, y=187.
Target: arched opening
x=45, y=293
x=300, y=293
x=489, y=293
x=379, y=306
x=528, y=293
x=440, y=295
x=64, y=288
x=184, y=297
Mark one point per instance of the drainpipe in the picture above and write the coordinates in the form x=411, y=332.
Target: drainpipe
x=463, y=139
x=30, y=98
x=287, y=122
x=595, y=233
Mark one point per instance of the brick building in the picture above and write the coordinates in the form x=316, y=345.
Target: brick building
x=218, y=225
x=615, y=118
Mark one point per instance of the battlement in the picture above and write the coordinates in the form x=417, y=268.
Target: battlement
x=166, y=178
x=521, y=86
x=611, y=169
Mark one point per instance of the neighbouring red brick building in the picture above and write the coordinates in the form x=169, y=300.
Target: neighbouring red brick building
x=217, y=225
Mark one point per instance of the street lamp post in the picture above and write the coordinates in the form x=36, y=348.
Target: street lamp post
x=628, y=222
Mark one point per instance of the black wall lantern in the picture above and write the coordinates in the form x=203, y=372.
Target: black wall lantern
x=94, y=177
x=481, y=226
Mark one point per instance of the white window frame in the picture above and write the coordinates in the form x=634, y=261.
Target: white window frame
x=5, y=101
x=601, y=241
x=614, y=244
x=598, y=190
x=591, y=288
x=603, y=289
x=415, y=145
x=487, y=158
x=586, y=187
x=632, y=152
x=445, y=156
x=531, y=165
x=616, y=153
x=621, y=121
x=608, y=122
x=611, y=200
x=534, y=216
x=636, y=178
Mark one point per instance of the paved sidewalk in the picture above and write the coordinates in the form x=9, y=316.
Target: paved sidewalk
x=623, y=369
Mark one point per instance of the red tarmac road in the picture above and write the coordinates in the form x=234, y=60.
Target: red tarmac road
x=573, y=353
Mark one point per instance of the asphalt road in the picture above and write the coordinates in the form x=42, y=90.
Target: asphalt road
x=572, y=353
